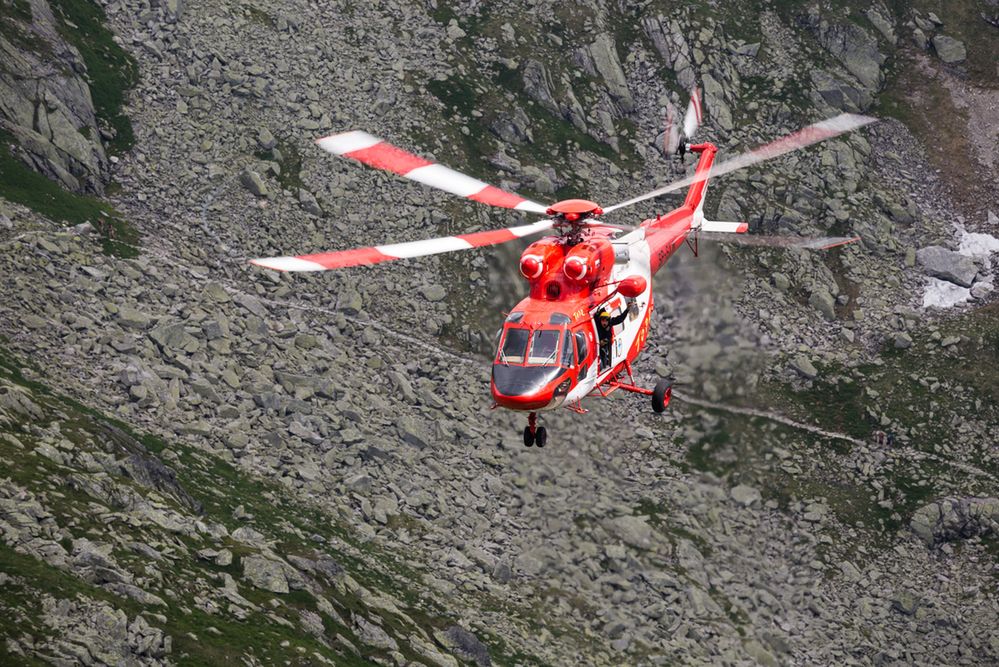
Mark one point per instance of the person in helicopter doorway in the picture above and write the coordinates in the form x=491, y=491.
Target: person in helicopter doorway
x=605, y=334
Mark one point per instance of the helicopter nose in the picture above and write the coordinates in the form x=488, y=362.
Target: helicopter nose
x=514, y=394
x=527, y=402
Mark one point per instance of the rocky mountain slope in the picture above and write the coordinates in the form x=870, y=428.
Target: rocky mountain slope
x=207, y=462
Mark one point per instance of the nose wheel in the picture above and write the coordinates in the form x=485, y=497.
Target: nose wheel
x=534, y=434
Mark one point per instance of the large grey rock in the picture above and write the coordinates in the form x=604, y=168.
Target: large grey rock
x=837, y=93
x=465, y=645
x=253, y=182
x=603, y=52
x=745, y=495
x=669, y=39
x=949, y=49
x=822, y=301
x=856, y=49
x=952, y=519
x=945, y=264
x=172, y=336
x=538, y=85
x=132, y=318
x=879, y=16
x=373, y=634
x=632, y=530
x=804, y=367
x=265, y=574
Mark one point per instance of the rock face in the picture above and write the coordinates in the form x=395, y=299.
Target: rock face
x=604, y=57
x=945, y=264
x=855, y=48
x=92, y=632
x=45, y=102
x=952, y=519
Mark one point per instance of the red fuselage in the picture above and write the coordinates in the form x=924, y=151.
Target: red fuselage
x=549, y=348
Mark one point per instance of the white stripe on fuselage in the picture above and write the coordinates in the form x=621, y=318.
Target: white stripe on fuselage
x=638, y=264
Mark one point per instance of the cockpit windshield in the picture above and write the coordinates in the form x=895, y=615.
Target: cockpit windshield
x=530, y=358
x=537, y=347
x=514, y=346
x=544, y=345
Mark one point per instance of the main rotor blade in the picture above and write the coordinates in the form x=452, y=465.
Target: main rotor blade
x=807, y=136
x=809, y=242
x=374, y=152
x=373, y=255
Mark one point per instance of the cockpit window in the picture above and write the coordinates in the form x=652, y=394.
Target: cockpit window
x=544, y=347
x=559, y=318
x=567, y=350
x=515, y=316
x=514, y=346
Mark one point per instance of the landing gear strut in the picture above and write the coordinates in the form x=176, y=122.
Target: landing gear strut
x=534, y=434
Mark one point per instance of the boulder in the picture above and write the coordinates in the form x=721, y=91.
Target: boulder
x=265, y=139
x=632, y=530
x=948, y=265
x=465, y=645
x=822, y=301
x=856, y=49
x=949, y=49
x=132, y=318
x=265, y=574
x=538, y=85
x=804, y=367
x=953, y=518
x=253, y=182
x=745, y=495
x=172, y=336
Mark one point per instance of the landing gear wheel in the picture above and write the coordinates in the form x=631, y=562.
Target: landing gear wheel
x=540, y=436
x=529, y=437
x=661, y=395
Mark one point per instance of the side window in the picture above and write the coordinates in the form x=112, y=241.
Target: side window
x=581, y=352
x=567, y=350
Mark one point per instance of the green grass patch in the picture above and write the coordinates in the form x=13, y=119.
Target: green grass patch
x=289, y=160
x=963, y=21
x=19, y=183
x=259, y=16
x=110, y=69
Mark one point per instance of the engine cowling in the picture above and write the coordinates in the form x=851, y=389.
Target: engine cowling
x=589, y=261
x=539, y=257
x=632, y=286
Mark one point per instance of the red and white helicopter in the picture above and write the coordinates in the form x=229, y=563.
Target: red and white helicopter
x=549, y=352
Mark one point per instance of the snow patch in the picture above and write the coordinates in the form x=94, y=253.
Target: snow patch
x=977, y=246
x=944, y=294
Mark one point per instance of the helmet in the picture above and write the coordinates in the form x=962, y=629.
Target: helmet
x=603, y=313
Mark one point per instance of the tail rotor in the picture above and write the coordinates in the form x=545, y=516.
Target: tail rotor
x=677, y=136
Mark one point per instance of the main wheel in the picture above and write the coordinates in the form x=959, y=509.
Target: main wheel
x=540, y=436
x=528, y=437
x=661, y=395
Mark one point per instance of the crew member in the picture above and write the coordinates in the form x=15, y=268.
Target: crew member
x=605, y=335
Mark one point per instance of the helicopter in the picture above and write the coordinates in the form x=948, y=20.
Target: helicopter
x=552, y=350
